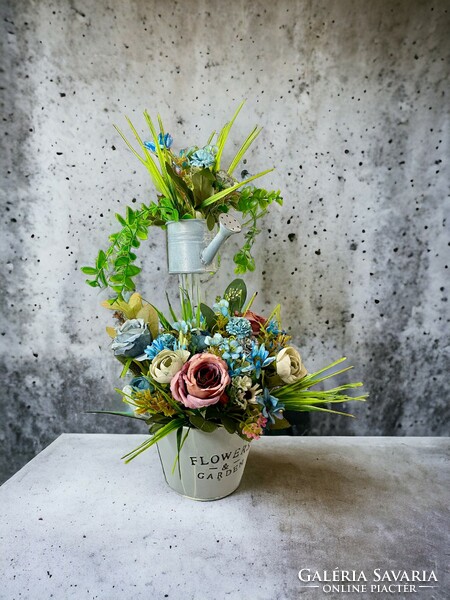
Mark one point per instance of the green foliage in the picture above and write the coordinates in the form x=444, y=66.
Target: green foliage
x=253, y=203
x=243, y=149
x=223, y=135
x=209, y=315
x=226, y=192
x=147, y=160
x=117, y=413
x=115, y=267
x=162, y=319
x=230, y=424
x=200, y=423
x=299, y=397
x=172, y=425
x=134, y=367
x=202, y=182
x=183, y=190
x=236, y=294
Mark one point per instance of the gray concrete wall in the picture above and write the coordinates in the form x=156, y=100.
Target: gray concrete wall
x=353, y=99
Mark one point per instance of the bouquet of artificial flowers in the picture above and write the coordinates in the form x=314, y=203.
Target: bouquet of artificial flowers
x=190, y=183
x=219, y=366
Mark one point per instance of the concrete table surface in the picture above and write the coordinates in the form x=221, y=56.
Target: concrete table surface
x=78, y=523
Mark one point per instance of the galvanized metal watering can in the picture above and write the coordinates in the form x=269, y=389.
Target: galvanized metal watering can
x=191, y=247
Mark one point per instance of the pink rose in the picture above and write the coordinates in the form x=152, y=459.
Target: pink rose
x=255, y=321
x=201, y=381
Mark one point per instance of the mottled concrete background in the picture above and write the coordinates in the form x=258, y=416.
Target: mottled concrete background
x=353, y=99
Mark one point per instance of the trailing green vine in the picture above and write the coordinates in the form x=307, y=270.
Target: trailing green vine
x=115, y=267
x=252, y=203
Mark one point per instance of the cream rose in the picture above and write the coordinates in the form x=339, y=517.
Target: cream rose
x=289, y=365
x=166, y=364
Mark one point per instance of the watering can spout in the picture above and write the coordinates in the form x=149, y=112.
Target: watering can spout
x=228, y=226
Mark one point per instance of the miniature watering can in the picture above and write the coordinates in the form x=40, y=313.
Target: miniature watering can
x=190, y=248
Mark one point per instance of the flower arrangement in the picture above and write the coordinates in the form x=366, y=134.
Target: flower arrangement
x=191, y=183
x=220, y=366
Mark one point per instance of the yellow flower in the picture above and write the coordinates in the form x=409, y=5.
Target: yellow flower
x=135, y=308
x=152, y=402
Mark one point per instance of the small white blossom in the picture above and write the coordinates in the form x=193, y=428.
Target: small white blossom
x=166, y=364
x=246, y=392
x=289, y=365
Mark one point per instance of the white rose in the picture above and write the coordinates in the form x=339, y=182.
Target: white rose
x=166, y=364
x=289, y=365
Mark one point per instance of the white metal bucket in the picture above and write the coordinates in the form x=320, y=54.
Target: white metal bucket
x=186, y=240
x=210, y=465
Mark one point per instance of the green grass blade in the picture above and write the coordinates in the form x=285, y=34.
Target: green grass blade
x=243, y=149
x=180, y=444
x=160, y=123
x=157, y=179
x=155, y=174
x=126, y=367
x=306, y=408
x=162, y=319
x=159, y=435
x=210, y=139
x=187, y=309
x=334, y=399
x=249, y=304
x=172, y=312
x=137, y=155
x=307, y=381
x=159, y=151
x=223, y=136
x=316, y=381
x=223, y=193
x=116, y=413
x=330, y=366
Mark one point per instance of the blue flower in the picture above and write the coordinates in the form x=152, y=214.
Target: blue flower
x=231, y=350
x=165, y=141
x=140, y=384
x=183, y=326
x=179, y=346
x=186, y=151
x=233, y=370
x=131, y=339
x=272, y=407
x=204, y=157
x=258, y=359
x=215, y=340
x=272, y=327
x=221, y=307
x=198, y=341
x=239, y=326
x=165, y=341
